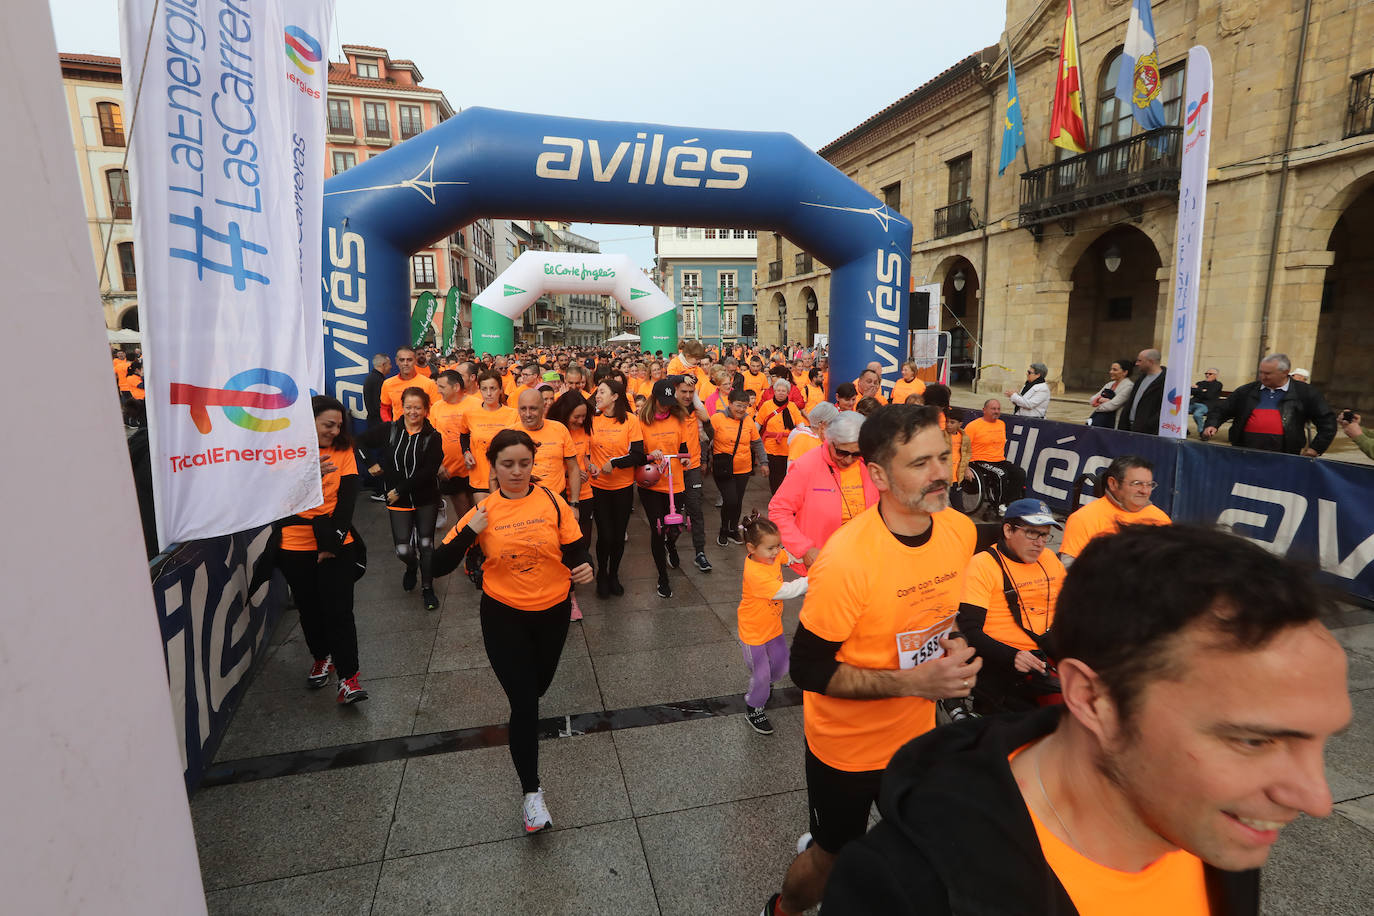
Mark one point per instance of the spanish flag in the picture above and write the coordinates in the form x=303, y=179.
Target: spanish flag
x=1066, y=123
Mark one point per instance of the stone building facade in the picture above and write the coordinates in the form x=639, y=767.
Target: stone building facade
x=1068, y=260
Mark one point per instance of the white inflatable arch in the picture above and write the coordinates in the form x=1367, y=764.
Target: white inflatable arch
x=535, y=273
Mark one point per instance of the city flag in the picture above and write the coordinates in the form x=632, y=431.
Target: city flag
x=226, y=158
x=1067, y=128
x=1013, y=128
x=1138, y=85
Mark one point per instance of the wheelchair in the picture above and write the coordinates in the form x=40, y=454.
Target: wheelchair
x=980, y=496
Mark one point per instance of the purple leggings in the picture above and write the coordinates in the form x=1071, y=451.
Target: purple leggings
x=767, y=663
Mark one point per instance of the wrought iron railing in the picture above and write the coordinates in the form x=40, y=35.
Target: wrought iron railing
x=1359, y=116
x=954, y=219
x=1140, y=166
x=341, y=125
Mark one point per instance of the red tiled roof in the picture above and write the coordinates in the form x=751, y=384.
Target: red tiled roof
x=366, y=48
x=969, y=63
x=64, y=57
x=340, y=75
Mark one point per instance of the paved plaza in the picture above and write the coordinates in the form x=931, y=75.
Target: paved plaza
x=663, y=799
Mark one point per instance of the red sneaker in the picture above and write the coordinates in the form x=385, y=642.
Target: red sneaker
x=319, y=672
x=350, y=691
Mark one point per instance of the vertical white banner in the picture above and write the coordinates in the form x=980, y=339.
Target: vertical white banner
x=308, y=26
x=218, y=251
x=1192, y=199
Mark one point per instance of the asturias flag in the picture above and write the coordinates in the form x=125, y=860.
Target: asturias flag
x=1013, y=128
x=1066, y=123
x=1138, y=85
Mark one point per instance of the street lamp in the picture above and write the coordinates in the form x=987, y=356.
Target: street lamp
x=959, y=280
x=1111, y=258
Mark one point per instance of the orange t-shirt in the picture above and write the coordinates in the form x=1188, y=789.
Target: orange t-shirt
x=987, y=441
x=887, y=604
x=774, y=431
x=692, y=430
x=851, y=480
x=448, y=420
x=482, y=427
x=425, y=371
x=1102, y=516
x=136, y=388
x=666, y=435
x=523, y=544
x=1037, y=589
x=394, y=387
x=129, y=381
x=302, y=537
x=582, y=446
x=801, y=444
x=1175, y=883
x=121, y=368
x=612, y=440
x=756, y=383
x=902, y=389
x=760, y=617
x=553, y=446
x=733, y=436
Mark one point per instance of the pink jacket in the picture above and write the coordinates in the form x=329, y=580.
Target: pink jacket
x=807, y=507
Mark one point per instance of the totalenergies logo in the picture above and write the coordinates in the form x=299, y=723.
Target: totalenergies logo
x=1195, y=109
x=302, y=47
x=235, y=399
x=1176, y=402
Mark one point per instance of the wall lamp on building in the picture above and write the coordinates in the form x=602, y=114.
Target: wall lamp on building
x=1111, y=258
x=959, y=281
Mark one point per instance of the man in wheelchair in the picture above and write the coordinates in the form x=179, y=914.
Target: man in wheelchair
x=1003, y=481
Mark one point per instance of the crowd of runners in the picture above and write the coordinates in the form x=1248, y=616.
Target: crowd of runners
x=1167, y=701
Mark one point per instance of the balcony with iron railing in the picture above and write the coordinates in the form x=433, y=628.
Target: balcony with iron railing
x=376, y=129
x=410, y=128
x=340, y=126
x=774, y=271
x=1359, y=116
x=1145, y=165
x=955, y=218
x=729, y=294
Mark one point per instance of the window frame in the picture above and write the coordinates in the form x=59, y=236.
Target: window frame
x=343, y=125
x=119, y=209
x=383, y=125
x=372, y=62
x=128, y=277
x=111, y=134
x=418, y=120
x=335, y=156
x=423, y=274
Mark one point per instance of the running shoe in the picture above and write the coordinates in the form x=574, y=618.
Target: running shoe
x=673, y=561
x=771, y=907
x=536, y=812
x=377, y=498
x=431, y=599
x=736, y=537
x=719, y=502
x=665, y=590
x=722, y=539
x=804, y=842
x=412, y=575
x=702, y=563
x=350, y=691
x=319, y=672
x=616, y=588
x=758, y=720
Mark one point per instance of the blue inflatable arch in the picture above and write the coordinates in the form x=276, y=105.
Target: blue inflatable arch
x=486, y=162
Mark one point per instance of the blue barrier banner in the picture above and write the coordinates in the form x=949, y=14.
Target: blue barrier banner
x=212, y=633
x=1309, y=509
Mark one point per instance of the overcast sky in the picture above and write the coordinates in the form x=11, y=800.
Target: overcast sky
x=812, y=68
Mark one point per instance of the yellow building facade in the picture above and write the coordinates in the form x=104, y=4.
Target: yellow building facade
x=1068, y=260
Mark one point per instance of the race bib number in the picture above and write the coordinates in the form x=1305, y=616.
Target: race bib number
x=917, y=646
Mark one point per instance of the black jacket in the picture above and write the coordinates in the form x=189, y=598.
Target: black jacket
x=1205, y=392
x=1147, y=412
x=372, y=397
x=1301, y=404
x=956, y=838
x=411, y=469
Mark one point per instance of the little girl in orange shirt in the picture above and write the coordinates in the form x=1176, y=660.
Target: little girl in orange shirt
x=760, y=615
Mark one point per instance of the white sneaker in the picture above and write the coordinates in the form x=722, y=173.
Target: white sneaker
x=536, y=812
x=803, y=842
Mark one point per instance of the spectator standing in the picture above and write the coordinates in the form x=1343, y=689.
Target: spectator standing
x=1108, y=402
x=1033, y=400
x=1272, y=413
x=372, y=389
x=1148, y=396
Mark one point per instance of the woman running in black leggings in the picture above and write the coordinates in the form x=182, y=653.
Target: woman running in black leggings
x=412, y=451
x=617, y=448
x=534, y=552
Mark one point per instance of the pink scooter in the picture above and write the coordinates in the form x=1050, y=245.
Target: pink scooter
x=673, y=517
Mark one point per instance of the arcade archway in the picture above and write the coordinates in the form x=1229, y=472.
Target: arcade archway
x=498, y=163
x=1114, y=305
x=1341, y=367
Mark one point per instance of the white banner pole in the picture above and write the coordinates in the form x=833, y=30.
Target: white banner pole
x=1192, y=199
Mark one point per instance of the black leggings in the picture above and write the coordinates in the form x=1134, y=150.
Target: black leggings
x=732, y=497
x=523, y=648
x=324, y=596
x=777, y=470
x=585, y=513
x=612, y=509
x=655, y=507
x=421, y=521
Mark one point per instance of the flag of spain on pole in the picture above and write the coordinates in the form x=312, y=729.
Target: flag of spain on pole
x=1066, y=123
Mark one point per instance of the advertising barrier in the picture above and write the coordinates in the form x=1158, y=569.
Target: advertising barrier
x=212, y=633
x=1310, y=509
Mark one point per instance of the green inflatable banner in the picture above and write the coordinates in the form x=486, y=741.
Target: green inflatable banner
x=422, y=317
